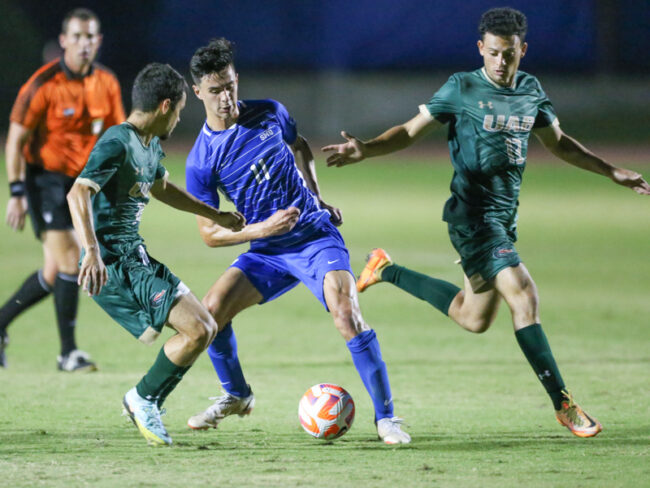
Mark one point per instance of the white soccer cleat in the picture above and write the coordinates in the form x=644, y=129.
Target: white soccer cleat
x=390, y=431
x=75, y=361
x=223, y=406
x=146, y=417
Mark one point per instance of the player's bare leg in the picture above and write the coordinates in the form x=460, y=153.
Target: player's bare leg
x=520, y=293
x=231, y=294
x=341, y=297
x=196, y=330
x=474, y=312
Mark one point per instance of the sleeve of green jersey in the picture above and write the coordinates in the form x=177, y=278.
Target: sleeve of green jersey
x=161, y=171
x=545, y=111
x=105, y=159
x=444, y=103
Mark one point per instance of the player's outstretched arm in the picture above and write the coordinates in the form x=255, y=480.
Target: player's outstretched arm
x=571, y=151
x=392, y=140
x=174, y=196
x=92, y=273
x=305, y=162
x=17, y=205
x=281, y=222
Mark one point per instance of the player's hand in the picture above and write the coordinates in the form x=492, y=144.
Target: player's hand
x=92, y=274
x=349, y=152
x=16, y=210
x=336, y=217
x=282, y=221
x=231, y=220
x=631, y=179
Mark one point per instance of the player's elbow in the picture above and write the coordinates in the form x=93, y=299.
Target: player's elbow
x=73, y=195
x=211, y=241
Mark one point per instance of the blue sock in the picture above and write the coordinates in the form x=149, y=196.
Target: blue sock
x=366, y=356
x=223, y=353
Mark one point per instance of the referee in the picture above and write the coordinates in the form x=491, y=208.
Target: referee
x=55, y=121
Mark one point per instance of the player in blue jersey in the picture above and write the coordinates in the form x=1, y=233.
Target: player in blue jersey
x=250, y=152
x=491, y=113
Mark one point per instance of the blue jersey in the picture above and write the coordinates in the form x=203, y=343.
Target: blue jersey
x=251, y=164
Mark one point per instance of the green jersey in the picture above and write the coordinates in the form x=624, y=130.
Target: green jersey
x=122, y=171
x=489, y=127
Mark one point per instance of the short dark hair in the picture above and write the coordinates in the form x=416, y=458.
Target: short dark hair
x=81, y=14
x=503, y=21
x=214, y=57
x=155, y=83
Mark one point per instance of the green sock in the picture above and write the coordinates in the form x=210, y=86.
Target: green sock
x=438, y=293
x=170, y=385
x=161, y=379
x=534, y=344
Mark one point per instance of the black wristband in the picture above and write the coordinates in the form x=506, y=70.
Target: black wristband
x=17, y=188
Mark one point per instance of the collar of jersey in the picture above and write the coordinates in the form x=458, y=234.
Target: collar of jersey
x=73, y=76
x=496, y=85
x=209, y=132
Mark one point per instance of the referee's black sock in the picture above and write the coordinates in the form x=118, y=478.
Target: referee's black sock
x=66, y=301
x=32, y=291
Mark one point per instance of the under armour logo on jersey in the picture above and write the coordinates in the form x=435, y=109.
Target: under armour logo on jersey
x=260, y=171
x=483, y=105
x=545, y=374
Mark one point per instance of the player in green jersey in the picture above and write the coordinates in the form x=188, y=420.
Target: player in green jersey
x=491, y=113
x=141, y=294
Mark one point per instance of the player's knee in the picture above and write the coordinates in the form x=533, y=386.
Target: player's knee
x=212, y=302
x=49, y=274
x=477, y=325
x=202, y=333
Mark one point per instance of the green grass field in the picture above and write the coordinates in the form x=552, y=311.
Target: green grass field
x=476, y=412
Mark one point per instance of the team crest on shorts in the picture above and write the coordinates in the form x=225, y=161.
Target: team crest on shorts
x=156, y=298
x=502, y=252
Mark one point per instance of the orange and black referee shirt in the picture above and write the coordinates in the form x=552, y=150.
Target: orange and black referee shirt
x=67, y=114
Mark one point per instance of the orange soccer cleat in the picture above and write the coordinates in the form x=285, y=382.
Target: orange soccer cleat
x=377, y=260
x=575, y=419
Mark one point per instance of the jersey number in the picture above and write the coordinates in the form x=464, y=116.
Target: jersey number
x=513, y=148
x=260, y=171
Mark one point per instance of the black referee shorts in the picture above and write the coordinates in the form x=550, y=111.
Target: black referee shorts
x=46, y=196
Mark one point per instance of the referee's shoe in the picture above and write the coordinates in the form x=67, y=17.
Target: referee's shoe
x=76, y=361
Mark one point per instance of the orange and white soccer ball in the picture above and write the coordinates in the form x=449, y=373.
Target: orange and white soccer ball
x=326, y=411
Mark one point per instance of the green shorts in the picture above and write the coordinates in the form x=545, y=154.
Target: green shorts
x=485, y=249
x=139, y=294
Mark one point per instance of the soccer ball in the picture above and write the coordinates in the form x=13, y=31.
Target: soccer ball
x=326, y=411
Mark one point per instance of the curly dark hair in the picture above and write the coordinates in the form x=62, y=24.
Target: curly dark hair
x=214, y=57
x=155, y=83
x=503, y=21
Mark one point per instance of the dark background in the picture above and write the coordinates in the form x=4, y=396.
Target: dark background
x=587, y=42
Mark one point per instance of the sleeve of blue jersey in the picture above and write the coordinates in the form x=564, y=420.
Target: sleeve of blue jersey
x=198, y=186
x=286, y=122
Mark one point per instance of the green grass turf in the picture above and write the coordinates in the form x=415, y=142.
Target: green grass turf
x=476, y=411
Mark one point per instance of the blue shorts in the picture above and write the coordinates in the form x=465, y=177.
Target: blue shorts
x=274, y=271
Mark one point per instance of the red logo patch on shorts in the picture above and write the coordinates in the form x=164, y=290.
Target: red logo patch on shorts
x=502, y=252
x=157, y=298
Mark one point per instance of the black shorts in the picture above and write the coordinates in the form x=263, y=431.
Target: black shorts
x=46, y=196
